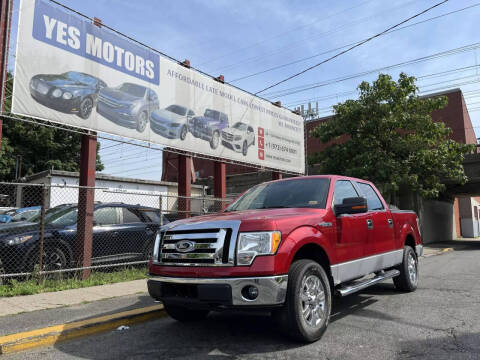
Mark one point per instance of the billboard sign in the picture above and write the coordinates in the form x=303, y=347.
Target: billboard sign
x=72, y=72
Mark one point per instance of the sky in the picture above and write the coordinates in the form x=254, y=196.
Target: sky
x=255, y=43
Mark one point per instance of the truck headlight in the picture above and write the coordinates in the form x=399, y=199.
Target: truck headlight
x=237, y=138
x=57, y=93
x=156, y=247
x=252, y=244
x=19, y=240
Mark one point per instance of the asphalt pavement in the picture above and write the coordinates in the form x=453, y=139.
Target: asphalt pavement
x=441, y=320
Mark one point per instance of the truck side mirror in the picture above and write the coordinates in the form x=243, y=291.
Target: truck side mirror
x=351, y=205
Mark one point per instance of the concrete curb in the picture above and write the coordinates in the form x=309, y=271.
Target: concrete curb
x=437, y=252
x=54, y=334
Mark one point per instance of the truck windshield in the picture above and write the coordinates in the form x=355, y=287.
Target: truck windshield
x=177, y=109
x=301, y=193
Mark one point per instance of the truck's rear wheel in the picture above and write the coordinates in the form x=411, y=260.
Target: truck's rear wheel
x=408, y=278
x=306, y=312
x=183, y=314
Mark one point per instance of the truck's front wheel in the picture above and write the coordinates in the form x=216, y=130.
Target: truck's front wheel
x=306, y=312
x=184, y=314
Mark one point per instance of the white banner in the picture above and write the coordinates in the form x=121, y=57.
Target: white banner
x=72, y=72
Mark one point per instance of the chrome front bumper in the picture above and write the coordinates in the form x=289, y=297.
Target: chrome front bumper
x=271, y=289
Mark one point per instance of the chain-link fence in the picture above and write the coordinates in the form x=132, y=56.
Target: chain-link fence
x=47, y=229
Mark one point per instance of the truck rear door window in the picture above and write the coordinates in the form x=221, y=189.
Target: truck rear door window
x=373, y=201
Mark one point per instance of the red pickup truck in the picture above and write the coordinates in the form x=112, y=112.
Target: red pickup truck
x=287, y=246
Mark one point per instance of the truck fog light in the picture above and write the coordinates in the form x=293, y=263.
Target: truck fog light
x=250, y=292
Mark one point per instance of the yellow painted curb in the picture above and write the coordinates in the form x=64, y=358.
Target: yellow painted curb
x=53, y=334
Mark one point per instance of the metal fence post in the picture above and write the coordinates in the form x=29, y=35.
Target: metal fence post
x=161, y=210
x=42, y=229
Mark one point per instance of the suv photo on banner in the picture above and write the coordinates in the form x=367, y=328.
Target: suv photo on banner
x=89, y=77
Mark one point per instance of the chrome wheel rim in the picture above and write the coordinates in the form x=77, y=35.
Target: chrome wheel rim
x=412, y=268
x=312, y=299
x=142, y=121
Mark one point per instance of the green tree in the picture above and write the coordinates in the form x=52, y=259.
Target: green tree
x=41, y=147
x=388, y=137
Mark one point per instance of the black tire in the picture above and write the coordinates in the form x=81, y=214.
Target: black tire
x=215, y=140
x=408, y=278
x=183, y=133
x=305, y=328
x=245, y=148
x=142, y=121
x=85, y=108
x=54, y=258
x=184, y=314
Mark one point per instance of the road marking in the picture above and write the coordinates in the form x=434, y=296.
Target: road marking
x=53, y=334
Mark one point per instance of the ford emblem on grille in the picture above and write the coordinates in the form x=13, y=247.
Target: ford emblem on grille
x=185, y=246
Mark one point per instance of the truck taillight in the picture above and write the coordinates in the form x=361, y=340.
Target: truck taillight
x=418, y=226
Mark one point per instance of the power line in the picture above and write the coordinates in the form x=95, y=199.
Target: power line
x=344, y=46
x=350, y=49
x=306, y=87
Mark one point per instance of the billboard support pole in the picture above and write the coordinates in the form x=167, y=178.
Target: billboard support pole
x=220, y=170
x=5, y=21
x=184, y=185
x=86, y=202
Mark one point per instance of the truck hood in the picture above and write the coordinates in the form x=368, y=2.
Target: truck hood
x=163, y=115
x=233, y=131
x=284, y=220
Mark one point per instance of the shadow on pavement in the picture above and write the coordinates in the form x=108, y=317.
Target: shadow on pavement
x=222, y=335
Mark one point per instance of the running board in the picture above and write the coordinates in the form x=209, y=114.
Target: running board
x=353, y=288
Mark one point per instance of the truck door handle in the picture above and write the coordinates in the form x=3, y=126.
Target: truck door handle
x=390, y=222
x=369, y=223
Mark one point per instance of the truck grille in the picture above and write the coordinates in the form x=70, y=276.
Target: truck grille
x=196, y=247
x=227, y=136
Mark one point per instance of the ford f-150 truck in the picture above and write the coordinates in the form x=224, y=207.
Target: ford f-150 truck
x=287, y=246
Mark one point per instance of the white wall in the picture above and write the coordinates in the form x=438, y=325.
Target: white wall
x=108, y=191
